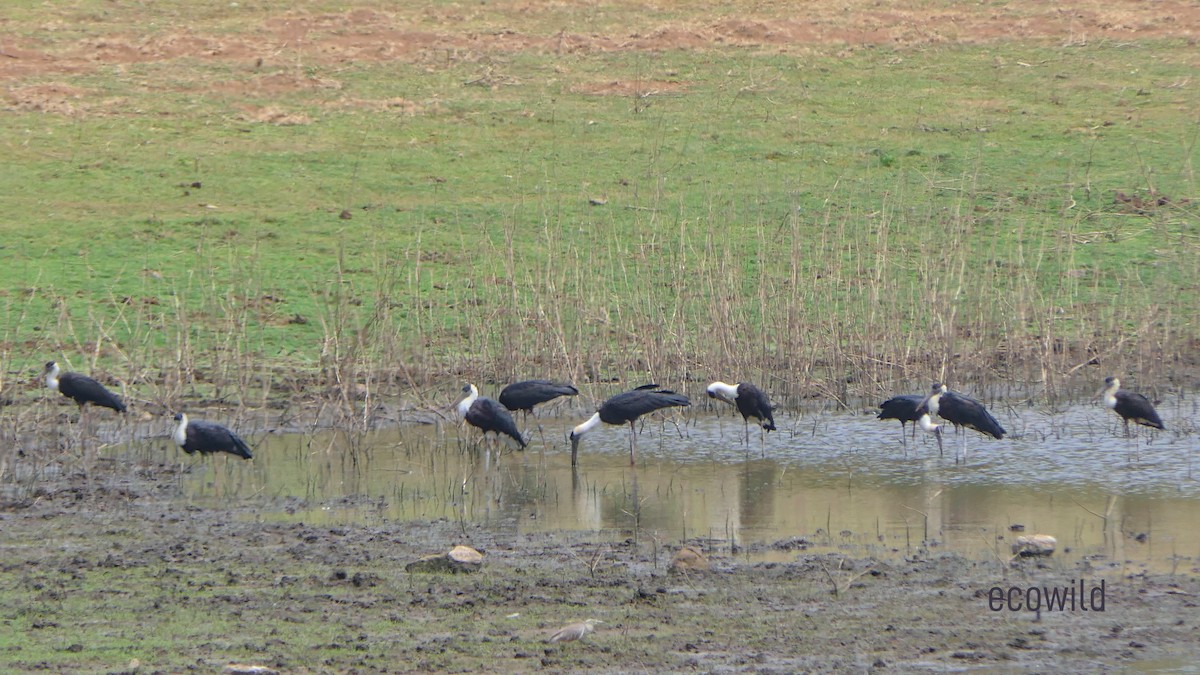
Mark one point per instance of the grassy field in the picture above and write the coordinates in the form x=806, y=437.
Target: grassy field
x=212, y=195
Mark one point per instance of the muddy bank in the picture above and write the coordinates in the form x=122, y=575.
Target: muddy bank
x=105, y=572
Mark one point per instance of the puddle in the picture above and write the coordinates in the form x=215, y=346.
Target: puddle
x=823, y=482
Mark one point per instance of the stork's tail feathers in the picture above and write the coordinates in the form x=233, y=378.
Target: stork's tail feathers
x=240, y=449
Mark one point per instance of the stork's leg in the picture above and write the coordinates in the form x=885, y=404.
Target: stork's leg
x=904, y=436
x=632, y=444
x=746, y=426
x=938, y=435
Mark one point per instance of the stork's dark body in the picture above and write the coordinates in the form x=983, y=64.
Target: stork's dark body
x=1132, y=406
x=209, y=437
x=905, y=407
x=488, y=415
x=752, y=402
x=83, y=390
x=964, y=411
x=525, y=395
x=627, y=407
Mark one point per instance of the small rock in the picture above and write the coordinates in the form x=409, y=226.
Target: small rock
x=688, y=559
x=459, y=559
x=247, y=669
x=1035, y=545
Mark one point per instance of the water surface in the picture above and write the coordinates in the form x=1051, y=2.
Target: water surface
x=823, y=482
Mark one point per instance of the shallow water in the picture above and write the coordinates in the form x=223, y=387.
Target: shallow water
x=822, y=482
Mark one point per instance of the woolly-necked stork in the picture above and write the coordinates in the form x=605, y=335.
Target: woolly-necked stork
x=1130, y=405
x=488, y=415
x=750, y=402
x=525, y=395
x=626, y=408
x=81, y=388
x=208, y=437
x=961, y=411
x=908, y=408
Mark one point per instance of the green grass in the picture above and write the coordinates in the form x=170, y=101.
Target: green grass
x=811, y=218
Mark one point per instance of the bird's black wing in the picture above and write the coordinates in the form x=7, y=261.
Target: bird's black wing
x=488, y=415
x=626, y=407
x=967, y=412
x=86, y=390
x=904, y=408
x=207, y=437
x=753, y=402
x=1133, y=406
x=525, y=395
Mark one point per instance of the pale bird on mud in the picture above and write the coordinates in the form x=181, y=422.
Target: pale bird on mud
x=750, y=402
x=81, y=388
x=574, y=631
x=963, y=412
x=208, y=437
x=488, y=415
x=625, y=409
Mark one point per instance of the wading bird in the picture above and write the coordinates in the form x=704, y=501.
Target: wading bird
x=488, y=415
x=908, y=408
x=525, y=395
x=626, y=408
x=1130, y=405
x=81, y=388
x=961, y=411
x=750, y=402
x=208, y=437
x=574, y=631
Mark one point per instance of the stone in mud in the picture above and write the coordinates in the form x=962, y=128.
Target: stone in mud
x=458, y=559
x=1034, y=545
x=689, y=559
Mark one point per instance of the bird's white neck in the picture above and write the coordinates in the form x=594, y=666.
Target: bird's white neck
x=723, y=391
x=1110, y=394
x=933, y=402
x=52, y=377
x=465, y=404
x=180, y=434
x=586, y=426
x=927, y=424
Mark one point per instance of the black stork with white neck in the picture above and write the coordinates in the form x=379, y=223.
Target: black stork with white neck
x=750, y=402
x=909, y=408
x=488, y=415
x=1130, y=405
x=963, y=412
x=81, y=388
x=525, y=395
x=626, y=408
x=208, y=437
